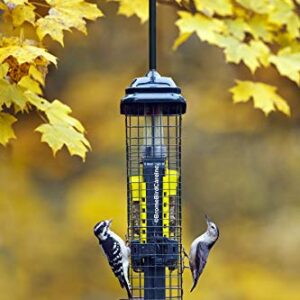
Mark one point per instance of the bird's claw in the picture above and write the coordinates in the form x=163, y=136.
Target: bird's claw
x=127, y=240
x=184, y=253
x=183, y=268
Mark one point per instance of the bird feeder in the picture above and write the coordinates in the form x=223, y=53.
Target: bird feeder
x=153, y=107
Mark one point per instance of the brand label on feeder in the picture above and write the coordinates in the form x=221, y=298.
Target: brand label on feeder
x=156, y=193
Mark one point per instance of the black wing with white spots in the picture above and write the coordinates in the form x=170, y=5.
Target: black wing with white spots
x=112, y=250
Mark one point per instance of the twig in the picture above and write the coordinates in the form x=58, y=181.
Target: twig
x=173, y=4
x=193, y=6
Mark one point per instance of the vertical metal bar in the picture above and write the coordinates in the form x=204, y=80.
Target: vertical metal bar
x=128, y=160
x=152, y=34
x=139, y=144
x=178, y=137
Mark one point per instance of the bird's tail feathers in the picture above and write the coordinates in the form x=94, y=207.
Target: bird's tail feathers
x=128, y=291
x=194, y=284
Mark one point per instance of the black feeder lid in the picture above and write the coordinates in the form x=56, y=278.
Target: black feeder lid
x=153, y=90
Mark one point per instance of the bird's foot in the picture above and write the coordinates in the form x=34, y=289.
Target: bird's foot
x=183, y=268
x=127, y=240
x=184, y=253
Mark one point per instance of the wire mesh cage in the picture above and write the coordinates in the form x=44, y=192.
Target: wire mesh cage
x=153, y=109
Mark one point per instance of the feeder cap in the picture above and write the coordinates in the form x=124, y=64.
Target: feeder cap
x=153, y=90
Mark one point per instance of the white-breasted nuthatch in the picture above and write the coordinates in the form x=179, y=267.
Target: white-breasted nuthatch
x=200, y=249
x=116, y=251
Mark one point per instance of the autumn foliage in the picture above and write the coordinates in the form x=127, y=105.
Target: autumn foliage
x=239, y=167
x=24, y=66
x=258, y=34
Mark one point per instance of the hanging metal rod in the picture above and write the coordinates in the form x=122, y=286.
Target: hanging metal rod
x=152, y=34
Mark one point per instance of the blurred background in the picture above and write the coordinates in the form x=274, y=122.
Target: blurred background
x=239, y=167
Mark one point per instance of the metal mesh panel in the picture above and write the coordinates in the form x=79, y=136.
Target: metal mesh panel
x=153, y=143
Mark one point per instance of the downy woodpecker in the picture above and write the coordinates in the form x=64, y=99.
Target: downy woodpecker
x=116, y=251
x=200, y=249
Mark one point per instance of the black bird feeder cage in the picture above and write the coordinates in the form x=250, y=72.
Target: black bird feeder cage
x=153, y=107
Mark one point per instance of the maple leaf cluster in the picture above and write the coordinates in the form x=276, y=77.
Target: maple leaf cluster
x=259, y=34
x=255, y=33
x=24, y=65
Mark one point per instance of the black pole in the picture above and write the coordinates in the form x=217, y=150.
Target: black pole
x=152, y=34
x=154, y=270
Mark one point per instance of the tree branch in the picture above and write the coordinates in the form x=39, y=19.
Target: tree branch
x=173, y=4
x=193, y=6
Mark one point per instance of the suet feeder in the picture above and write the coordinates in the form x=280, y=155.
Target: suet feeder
x=153, y=107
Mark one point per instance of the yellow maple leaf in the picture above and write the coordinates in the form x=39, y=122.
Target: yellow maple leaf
x=23, y=13
x=4, y=70
x=287, y=63
x=75, y=9
x=23, y=51
x=30, y=84
x=253, y=54
x=283, y=14
x=64, y=15
x=36, y=74
x=12, y=94
x=181, y=39
x=293, y=25
x=261, y=52
x=52, y=26
x=129, y=8
x=3, y=6
x=37, y=101
x=260, y=7
x=56, y=136
x=260, y=28
x=13, y=3
x=58, y=114
x=6, y=131
x=220, y=7
x=265, y=96
x=206, y=28
x=237, y=28
x=62, y=129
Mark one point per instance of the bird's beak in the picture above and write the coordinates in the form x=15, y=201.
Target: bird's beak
x=109, y=222
x=207, y=219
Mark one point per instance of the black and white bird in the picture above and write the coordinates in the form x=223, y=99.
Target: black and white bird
x=116, y=251
x=200, y=249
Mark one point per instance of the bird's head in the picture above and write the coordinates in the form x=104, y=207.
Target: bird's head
x=212, y=228
x=101, y=229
